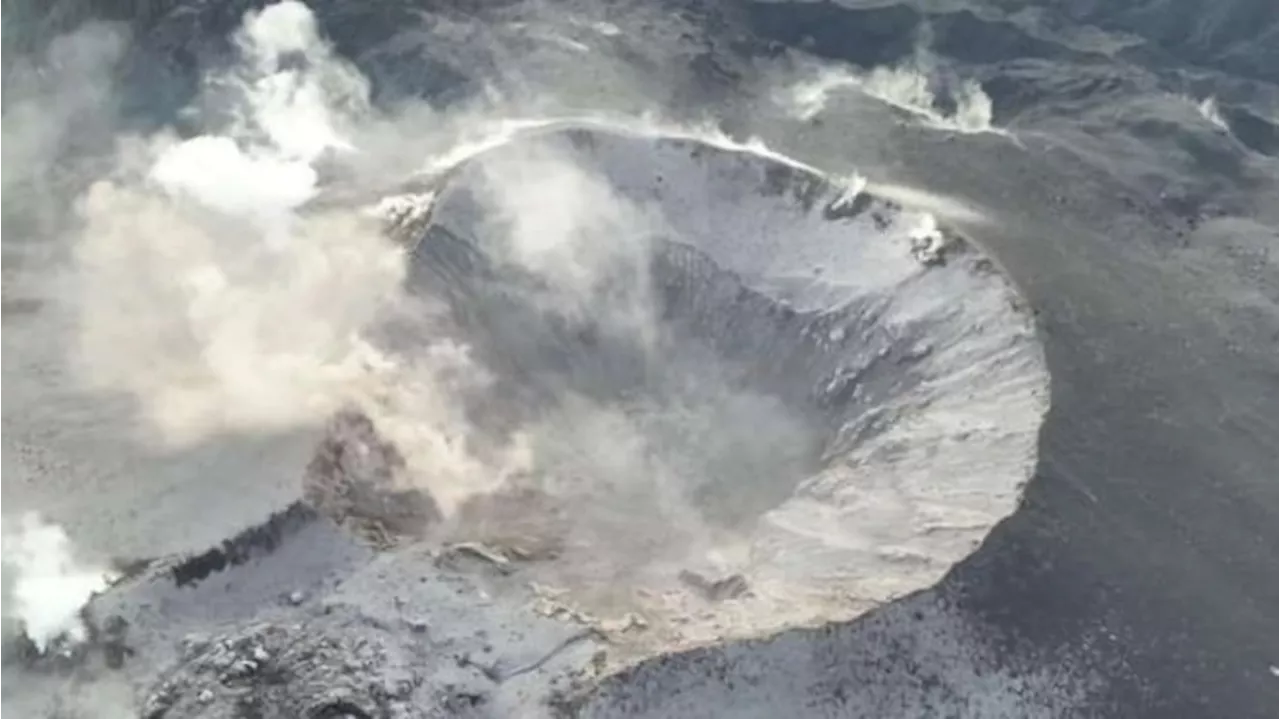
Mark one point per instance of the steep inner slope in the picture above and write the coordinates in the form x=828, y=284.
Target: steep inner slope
x=724, y=365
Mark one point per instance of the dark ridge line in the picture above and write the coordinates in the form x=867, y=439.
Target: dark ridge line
x=256, y=541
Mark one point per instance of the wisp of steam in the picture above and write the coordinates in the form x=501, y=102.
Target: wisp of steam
x=909, y=88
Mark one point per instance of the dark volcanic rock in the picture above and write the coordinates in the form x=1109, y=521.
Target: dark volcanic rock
x=252, y=543
x=353, y=478
x=308, y=669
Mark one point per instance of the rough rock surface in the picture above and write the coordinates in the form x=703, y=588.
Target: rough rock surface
x=356, y=478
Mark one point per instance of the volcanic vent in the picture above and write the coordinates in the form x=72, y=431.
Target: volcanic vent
x=729, y=378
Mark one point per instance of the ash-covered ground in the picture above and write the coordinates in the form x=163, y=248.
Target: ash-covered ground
x=656, y=359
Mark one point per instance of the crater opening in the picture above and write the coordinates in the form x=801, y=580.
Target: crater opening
x=744, y=397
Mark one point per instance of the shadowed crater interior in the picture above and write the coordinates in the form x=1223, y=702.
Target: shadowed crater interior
x=721, y=365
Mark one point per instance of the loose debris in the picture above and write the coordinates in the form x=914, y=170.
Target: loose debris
x=278, y=671
x=730, y=587
x=449, y=556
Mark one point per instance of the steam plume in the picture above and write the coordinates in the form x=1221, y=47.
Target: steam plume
x=51, y=586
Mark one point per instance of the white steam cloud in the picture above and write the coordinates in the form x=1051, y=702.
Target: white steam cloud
x=51, y=586
x=201, y=290
x=910, y=88
x=569, y=228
